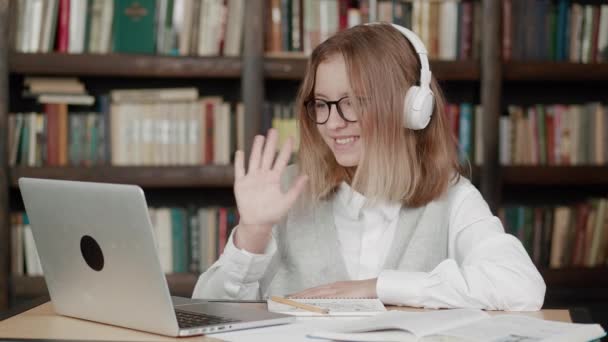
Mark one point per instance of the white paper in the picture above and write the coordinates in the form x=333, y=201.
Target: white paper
x=294, y=332
x=337, y=307
x=418, y=323
x=508, y=328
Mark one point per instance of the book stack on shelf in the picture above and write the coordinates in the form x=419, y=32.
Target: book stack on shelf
x=554, y=135
x=131, y=127
x=451, y=30
x=561, y=236
x=166, y=27
x=555, y=31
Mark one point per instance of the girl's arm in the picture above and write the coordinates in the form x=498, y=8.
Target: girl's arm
x=486, y=268
x=236, y=274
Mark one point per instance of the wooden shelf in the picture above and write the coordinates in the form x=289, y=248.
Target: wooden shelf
x=150, y=177
x=555, y=175
x=572, y=278
x=113, y=65
x=555, y=71
x=180, y=284
x=293, y=67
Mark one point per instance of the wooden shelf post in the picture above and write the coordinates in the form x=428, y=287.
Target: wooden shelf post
x=252, y=82
x=5, y=241
x=491, y=82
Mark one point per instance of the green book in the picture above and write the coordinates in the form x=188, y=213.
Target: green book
x=134, y=26
x=180, y=238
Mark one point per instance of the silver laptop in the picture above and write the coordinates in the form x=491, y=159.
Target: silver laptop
x=99, y=259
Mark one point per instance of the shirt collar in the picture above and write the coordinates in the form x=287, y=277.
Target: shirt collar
x=353, y=203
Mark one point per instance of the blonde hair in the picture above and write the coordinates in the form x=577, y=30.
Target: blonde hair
x=397, y=164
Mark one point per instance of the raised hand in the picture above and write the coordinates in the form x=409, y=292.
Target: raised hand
x=260, y=200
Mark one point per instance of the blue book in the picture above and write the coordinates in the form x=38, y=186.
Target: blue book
x=464, y=132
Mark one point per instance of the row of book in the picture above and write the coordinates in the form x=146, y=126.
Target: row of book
x=187, y=239
x=451, y=30
x=547, y=30
x=465, y=121
x=131, y=127
x=554, y=135
x=561, y=236
x=168, y=27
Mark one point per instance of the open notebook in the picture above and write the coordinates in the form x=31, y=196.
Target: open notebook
x=457, y=325
x=336, y=306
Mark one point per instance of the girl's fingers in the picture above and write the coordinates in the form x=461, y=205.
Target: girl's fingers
x=269, y=149
x=256, y=152
x=239, y=165
x=284, y=156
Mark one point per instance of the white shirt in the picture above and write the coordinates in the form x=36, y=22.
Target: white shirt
x=481, y=257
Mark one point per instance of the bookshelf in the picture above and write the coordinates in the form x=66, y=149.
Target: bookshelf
x=145, y=176
x=264, y=76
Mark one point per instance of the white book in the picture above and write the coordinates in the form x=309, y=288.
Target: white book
x=32, y=260
x=457, y=324
x=194, y=136
x=105, y=34
x=36, y=26
x=165, y=239
x=448, y=30
x=155, y=95
x=72, y=99
x=20, y=45
x=587, y=34
x=602, y=40
x=49, y=24
x=240, y=126
x=234, y=27
x=182, y=19
x=94, y=37
x=161, y=29
x=33, y=128
x=505, y=140
x=78, y=18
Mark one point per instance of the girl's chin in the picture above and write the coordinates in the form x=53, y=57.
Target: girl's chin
x=346, y=160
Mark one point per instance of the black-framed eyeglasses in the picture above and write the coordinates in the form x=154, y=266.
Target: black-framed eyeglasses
x=318, y=110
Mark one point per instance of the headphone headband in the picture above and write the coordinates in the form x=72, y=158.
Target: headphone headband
x=425, y=71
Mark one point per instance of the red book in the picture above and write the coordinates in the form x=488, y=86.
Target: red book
x=550, y=133
x=343, y=14
x=578, y=252
x=466, y=31
x=453, y=111
x=52, y=134
x=223, y=229
x=209, y=134
x=63, y=26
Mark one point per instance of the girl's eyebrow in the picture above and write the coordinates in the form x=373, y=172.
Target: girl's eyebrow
x=345, y=94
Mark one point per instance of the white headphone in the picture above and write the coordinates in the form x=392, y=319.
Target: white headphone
x=419, y=100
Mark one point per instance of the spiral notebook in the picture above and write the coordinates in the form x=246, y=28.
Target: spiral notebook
x=336, y=306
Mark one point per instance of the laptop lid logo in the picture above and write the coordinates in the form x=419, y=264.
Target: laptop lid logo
x=91, y=253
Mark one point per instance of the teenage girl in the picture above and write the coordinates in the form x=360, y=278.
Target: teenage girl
x=376, y=205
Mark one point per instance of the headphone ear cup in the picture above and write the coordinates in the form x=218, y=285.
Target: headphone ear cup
x=408, y=106
x=418, y=108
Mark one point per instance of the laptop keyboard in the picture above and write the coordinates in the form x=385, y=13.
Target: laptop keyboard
x=189, y=320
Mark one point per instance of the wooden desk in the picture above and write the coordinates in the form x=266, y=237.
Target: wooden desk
x=41, y=322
